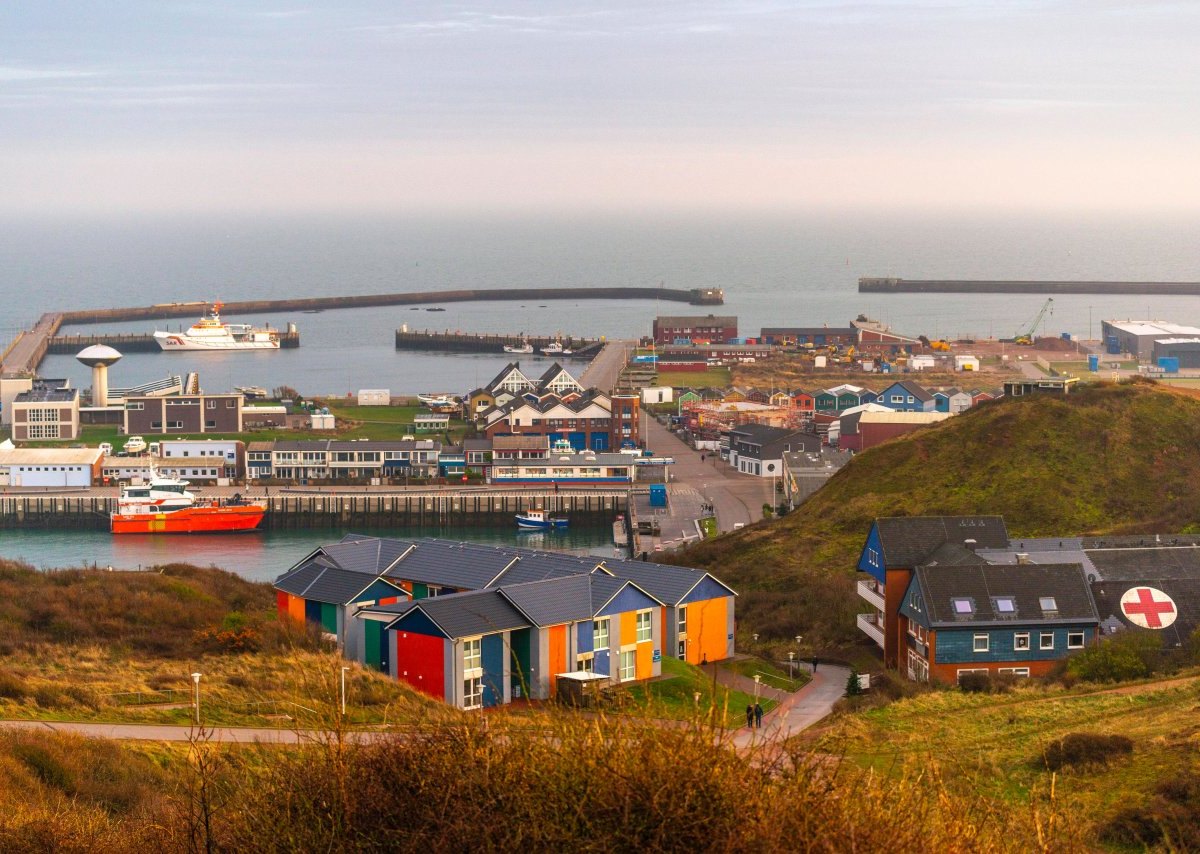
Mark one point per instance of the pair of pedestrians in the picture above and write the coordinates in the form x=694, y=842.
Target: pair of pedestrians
x=754, y=716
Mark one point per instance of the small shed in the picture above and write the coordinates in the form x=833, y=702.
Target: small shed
x=374, y=397
x=966, y=363
x=431, y=422
x=581, y=688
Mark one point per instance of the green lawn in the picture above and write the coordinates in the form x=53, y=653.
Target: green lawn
x=771, y=674
x=710, y=378
x=708, y=525
x=674, y=696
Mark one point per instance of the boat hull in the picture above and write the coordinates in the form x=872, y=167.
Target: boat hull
x=540, y=524
x=190, y=520
x=170, y=342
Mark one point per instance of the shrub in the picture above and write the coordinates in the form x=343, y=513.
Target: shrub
x=1171, y=817
x=1085, y=748
x=1129, y=655
x=975, y=683
x=12, y=686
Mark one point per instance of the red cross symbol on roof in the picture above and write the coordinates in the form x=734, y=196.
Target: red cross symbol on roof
x=1148, y=607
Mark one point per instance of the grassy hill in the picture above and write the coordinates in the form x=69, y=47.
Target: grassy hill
x=1108, y=459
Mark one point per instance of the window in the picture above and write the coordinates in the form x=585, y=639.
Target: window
x=1074, y=640
x=681, y=625
x=136, y=405
x=1021, y=640
x=231, y=404
x=584, y=661
x=209, y=424
x=210, y=404
x=981, y=643
x=473, y=693
x=644, y=625
x=962, y=607
x=1046, y=640
x=628, y=665
x=472, y=654
x=963, y=670
x=1048, y=604
x=600, y=634
x=1004, y=606
x=681, y=650
x=1014, y=671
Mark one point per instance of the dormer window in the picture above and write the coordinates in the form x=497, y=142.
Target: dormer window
x=1004, y=606
x=962, y=607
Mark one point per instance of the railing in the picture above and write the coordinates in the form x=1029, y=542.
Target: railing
x=872, y=591
x=869, y=624
x=169, y=696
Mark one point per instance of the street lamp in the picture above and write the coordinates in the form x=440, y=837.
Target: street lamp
x=344, y=669
x=757, y=682
x=792, y=664
x=196, y=680
x=756, y=637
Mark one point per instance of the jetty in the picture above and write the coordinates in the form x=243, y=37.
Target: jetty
x=872, y=285
x=300, y=509
x=478, y=342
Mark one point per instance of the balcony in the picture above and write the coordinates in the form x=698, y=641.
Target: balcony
x=872, y=591
x=869, y=623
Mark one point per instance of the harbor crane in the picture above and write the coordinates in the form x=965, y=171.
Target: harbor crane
x=1025, y=334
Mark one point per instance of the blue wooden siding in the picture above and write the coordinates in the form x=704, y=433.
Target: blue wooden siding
x=629, y=599
x=492, y=655
x=957, y=646
x=600, y=662
x=871, y=559
x=707, y=589
x=312, y=611
x=584, y=639
x=419, y=624
x=379, y=589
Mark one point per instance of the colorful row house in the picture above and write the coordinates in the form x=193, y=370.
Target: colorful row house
x=480, y=626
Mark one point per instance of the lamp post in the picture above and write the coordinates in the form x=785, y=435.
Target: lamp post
x=791, y=664
x=757, y=682
x=196, y=703
x=344, y=669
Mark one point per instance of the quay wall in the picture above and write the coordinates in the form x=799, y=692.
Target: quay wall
x=132, y=342
x=303, y=511
x=1000, y=286
x=470, y=342
x=194, y=309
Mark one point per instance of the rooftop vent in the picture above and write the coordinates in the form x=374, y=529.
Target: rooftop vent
x=970, y=544
x=1023, y=558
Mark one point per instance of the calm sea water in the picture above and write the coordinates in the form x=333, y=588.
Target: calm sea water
x=776, y=270
x=262, y=556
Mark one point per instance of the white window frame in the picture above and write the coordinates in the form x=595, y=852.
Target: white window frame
x=1021, y=642
x=584, y=661
x=1046, y=640
x=472, y=692
x=964, y=670
x=681, y=621
x=1080, y=644
x=472, y=655
x=644, y=623
x=1013, y=671
x=628, y=671
x=987, y=642
x=598, y=635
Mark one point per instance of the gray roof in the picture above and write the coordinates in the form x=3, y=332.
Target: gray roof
x=1149, y=562
x=476, y=612
x=459, y=565
x=664, y=582
x=759, y=434
x=550, y=603
x=1185, y=592
x=542, y=566
x=325, y=583
x=909, y=540
x=1026, y=583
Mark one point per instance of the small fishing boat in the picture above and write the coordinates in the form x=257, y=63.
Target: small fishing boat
x=537, y=519
x=524, y=347
x=555, y=348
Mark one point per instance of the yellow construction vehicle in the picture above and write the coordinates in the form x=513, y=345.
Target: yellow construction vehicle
x=940, y=345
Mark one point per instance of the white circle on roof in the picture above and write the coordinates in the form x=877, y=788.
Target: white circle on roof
x=1148, y=607
x=98, y=354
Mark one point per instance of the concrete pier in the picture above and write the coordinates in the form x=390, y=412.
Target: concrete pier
x=869, y=285
x=476, y=342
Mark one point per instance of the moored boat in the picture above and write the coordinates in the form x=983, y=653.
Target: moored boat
x=536, y=518
x=525, y=348
x=211, y=333
x=165, y=506
x=555, y=348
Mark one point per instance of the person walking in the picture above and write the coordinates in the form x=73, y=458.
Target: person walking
x=750, y=716
x=757, y=716
x=814, y=664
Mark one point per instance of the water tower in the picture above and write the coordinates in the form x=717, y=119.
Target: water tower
x=98, y=357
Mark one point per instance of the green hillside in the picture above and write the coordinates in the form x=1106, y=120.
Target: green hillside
x=1108, y=459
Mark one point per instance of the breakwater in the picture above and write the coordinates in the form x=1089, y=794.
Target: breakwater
x=472, y=342
x=695, y=296
x=132, y=342
x=869, y=285
x=308, y=510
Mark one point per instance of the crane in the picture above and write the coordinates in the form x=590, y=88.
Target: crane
x=1025, y=334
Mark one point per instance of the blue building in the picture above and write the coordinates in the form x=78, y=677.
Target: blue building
x=905, y=396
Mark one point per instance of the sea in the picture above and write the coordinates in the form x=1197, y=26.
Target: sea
x=798, y=269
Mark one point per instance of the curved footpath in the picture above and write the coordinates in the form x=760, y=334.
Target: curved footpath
x=796, y=711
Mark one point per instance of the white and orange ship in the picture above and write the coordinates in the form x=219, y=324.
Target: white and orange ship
x=164, y=506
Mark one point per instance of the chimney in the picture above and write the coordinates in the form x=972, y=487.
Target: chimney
x=1023, y=558
x=970, y=544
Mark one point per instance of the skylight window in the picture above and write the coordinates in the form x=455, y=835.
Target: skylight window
x=1048, y=604
x=962, y=607
x=1005, y=605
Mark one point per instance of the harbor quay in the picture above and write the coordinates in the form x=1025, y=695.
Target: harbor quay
x=305, y=508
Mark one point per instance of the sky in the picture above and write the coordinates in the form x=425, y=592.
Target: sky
x=412, y=106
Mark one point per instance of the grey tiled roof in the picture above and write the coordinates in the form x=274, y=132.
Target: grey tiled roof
x=909, y=540
x=297, y=579
x=478, y=612
x=1152, y=562
x=325, y=584
x=458, y=565
x=1185, y=592
x=1027, y=583
x=540, y=567
x=549, y=603
x=664, y=582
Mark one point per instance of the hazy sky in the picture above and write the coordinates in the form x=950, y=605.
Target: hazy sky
x=416, y=106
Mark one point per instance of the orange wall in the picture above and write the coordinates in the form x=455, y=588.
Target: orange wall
x=644, y=666
x=558, y=655
x=707, y=630
x=628, y=629
x=296, y=608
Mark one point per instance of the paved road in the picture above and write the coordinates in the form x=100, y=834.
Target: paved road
x=800, y=710
x=735, y=497
x=603, y=370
